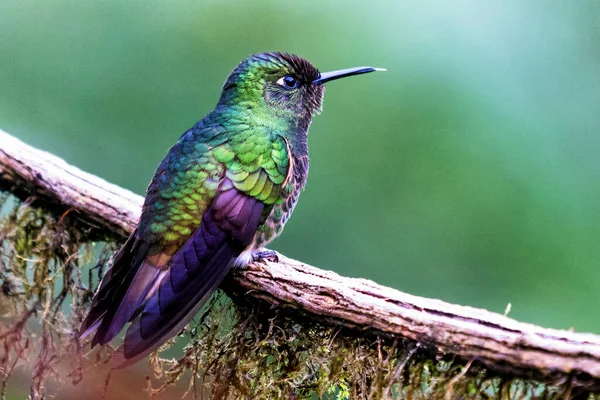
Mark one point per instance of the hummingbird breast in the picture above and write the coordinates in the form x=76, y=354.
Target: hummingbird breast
x=282, y=209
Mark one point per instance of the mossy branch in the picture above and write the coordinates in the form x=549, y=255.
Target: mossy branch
x=501, y=344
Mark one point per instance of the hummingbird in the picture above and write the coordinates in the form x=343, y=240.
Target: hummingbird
x=222, y=193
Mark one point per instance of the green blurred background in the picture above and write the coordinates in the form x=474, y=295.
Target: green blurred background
x=468, y=172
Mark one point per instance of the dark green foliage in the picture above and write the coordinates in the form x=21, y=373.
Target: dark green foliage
x=235, y=350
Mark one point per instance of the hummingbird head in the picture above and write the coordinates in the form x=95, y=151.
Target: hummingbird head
x=281, y=84
x=276, y=83
x=280, y=90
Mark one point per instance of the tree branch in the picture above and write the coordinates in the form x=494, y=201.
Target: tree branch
x=501, y=343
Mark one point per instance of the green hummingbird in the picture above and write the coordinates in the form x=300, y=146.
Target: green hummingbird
x=222, y=193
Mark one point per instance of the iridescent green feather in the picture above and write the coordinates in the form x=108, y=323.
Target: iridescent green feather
x=255, y=160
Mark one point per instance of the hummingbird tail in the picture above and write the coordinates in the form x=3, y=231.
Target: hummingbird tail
x=127, y=283
x=152, y=328
x=119, y=272
x=127, y=300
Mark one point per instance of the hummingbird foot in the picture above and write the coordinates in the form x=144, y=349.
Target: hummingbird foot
x=265, y=255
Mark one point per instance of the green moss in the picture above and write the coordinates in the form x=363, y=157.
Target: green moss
x=236, y=349
x=48, y=271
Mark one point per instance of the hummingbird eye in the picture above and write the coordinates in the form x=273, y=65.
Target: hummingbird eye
x=288, y=82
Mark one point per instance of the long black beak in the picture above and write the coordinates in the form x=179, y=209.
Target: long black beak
x=342, y=73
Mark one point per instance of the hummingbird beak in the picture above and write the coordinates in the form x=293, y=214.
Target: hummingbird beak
x=342, y=73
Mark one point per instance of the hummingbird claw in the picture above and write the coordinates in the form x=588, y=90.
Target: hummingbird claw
x=268, y=255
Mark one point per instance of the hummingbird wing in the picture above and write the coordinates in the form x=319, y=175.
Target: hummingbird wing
x=203, y=207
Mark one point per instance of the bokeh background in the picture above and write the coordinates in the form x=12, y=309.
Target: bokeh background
x=469, y=172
